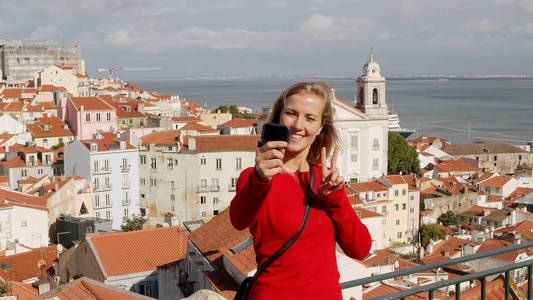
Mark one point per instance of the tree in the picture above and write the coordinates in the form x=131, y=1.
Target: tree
x=135, y=223
x=5, y=289
x=447, y=218
x=402, y=157
x=234, y=111
x=431, y=232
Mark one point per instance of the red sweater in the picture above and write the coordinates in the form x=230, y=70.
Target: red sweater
x=273, y=211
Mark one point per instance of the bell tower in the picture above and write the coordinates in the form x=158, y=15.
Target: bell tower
x=370, y=96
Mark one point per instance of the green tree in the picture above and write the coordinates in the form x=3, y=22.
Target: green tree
x=431, y=232
x=57, y=146
x=136, y=223
x=447, y=218
x=5, y=289
x=402, y=157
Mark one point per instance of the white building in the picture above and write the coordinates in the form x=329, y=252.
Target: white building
x=363, y=127
x=23, y=221
x=111, y=164
x=10, y=125
x=191, y=177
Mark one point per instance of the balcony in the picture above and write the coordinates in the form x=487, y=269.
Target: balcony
x=125, y=169
x=102, y=170
x=232, y=188
x=214, y=188
x=102, y=188
x=126, y=185
x=463, y=276
x=126, y=202
x=202, y=189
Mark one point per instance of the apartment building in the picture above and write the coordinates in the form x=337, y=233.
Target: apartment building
x=87, y=116
x=191, y=177
x=111, y=165
x=23, y=162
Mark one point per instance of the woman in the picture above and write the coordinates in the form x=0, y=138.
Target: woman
x=269, y=201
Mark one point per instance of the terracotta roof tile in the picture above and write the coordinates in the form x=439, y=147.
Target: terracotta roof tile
x=90, y=103
x=23, y=291
x=108, y=138
x=457, y=167
x=11, y=94
x=494, y=290
x=86, y=288
x=45, y=130
x=491, y=244
x=496, y=181
x=148, y=249
x=240, y=123
x=365, y=213
x=170, y=137
x=487, y=148
x=186, y=119
x=368, y=186
x=395, y=179
x=10, y=198
x=24, y=266
x=198, y=127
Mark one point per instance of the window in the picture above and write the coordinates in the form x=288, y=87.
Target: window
x=375, y=145
x=96, y=183
x=495, y=157
x=353, y=142
x=399, y=235
x=374, y=94
x=203, y=160
x=98, y=117
x=108, y=115
x=411, y=210
x=404, y=206
x=396, y=207
x=40, y=171
x=125, y=163
x=88, y=117
x=203, y=199
x=97, y=200
x=203, y=213
x=411, y=197
x=108, y=215
x=172, y=185
x=238, y=163
x=233, y=182
x=353, y=157
x=95, y=166
x=125, y=181
x=215, y=200
x=107, y=182
x=143, y=159
x=107, y=199
x=404, y=192
x=396, y=193
x=143, y=181
x=384, y=208
x=384, y=222
x=375, y=164
x=170, y=163
x=218, y=163
x=126, y=213
x=153, y=163
x=106, y=165
x=23, y=223
x=203, y=183
x=97, y=214
x=153, y=182
x=215, y=212
x=170, y=148
x=172, y=197
x=397, y=222
x=23, y=173
x=519, y=157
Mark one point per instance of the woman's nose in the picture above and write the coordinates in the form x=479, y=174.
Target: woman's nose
x=298, y=124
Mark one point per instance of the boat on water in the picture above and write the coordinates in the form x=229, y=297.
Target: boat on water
x=394, y=126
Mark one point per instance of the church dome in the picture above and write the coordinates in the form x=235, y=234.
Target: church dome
x=371, y=69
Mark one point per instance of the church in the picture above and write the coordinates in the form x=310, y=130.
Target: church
x=363, y=127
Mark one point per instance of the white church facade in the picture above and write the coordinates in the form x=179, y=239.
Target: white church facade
x=363, y=127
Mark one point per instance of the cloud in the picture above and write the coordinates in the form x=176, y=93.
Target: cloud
x=45, y=33
x=482, y=26
x=523, y=29
x=525, y=5
x=325, y=28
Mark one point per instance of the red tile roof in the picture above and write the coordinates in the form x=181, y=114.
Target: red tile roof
x=23, y=291
x=186, y=119
x=368, y=186
x=147, y=249
x=10, y=198
x=452, y=245
x=496, y=181
x=457, y=167
x=86, y=288
x=395, y=179
x=365, y=213
x=11, y=94
x=170, y=137
x=385, y=288
x=108, y=138
x=198, y=127
x=38, y=130
x=491, y=244
x=90, y=103
x=24, y=265
x=240, y=123
x=494, y=290
x=526, y=225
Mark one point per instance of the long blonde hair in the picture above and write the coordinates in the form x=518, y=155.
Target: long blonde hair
x=328, y=136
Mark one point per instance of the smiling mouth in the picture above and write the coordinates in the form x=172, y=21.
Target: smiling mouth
x=295, y=137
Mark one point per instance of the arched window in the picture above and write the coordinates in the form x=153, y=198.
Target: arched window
x=375, y=96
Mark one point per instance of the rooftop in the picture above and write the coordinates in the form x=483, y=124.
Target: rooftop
x=486, y=148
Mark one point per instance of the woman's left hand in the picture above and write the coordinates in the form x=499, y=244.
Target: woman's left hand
x=331, y=180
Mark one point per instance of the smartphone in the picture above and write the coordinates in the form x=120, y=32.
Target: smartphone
x=274, y=132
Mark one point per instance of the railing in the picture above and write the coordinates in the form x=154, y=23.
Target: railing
x=232, y=188
x=466, y=277
x=202, y=189
x=101, y=188
x=125, y=169
x=214, y=188
x=102, y=170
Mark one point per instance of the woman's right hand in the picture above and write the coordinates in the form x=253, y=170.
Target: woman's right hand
x=269, y=159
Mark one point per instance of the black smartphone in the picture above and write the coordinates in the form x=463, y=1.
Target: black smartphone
x=274, y=132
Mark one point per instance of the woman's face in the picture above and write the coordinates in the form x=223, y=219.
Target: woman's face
x=303, y=115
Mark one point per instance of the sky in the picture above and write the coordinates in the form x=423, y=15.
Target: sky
x=202, y=38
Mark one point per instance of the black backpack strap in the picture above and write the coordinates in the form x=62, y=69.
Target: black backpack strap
x=277, y=254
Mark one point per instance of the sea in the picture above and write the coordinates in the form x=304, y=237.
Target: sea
x=463, y=111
